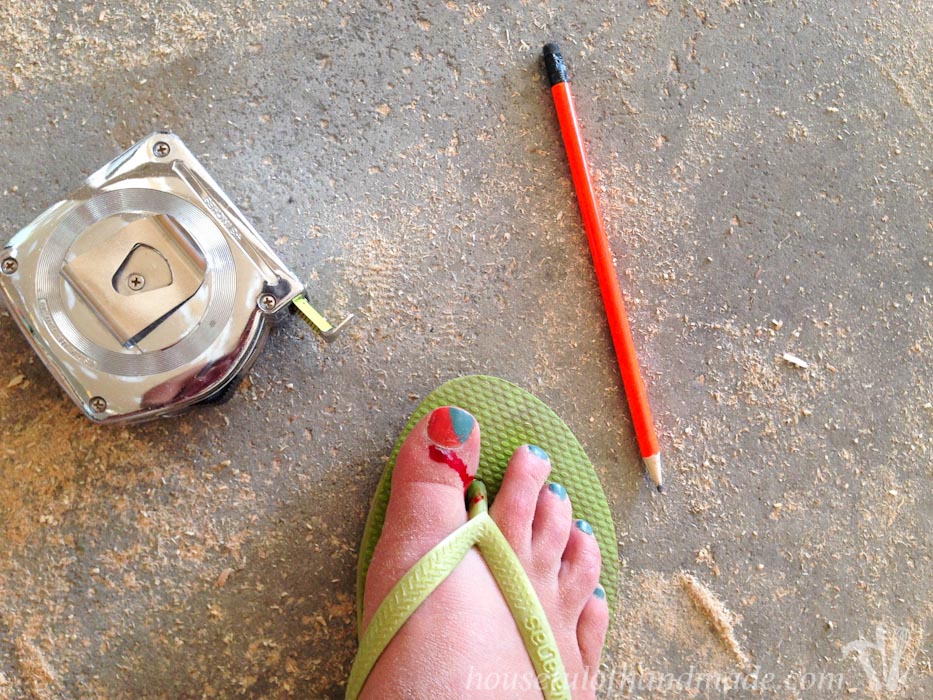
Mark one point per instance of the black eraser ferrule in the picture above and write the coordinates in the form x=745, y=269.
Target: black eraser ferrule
x=554, y=64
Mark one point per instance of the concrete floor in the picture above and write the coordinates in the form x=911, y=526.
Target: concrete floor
x=764, y=170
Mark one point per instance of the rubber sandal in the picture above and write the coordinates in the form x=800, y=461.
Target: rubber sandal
x=509, y=417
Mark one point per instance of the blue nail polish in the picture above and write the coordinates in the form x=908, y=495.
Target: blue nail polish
x=584, y=526
x=462, y=423
x=559, y=490
x=450, y=426
x=600, y=593
x=538, y=452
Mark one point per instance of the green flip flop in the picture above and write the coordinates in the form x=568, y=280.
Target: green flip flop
x=509, y=417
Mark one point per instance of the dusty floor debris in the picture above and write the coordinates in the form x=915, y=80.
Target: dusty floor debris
x=717, y=614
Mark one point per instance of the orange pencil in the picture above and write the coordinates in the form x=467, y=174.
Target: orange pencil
x=602, y=260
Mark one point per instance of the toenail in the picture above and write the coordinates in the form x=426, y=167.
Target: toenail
x=600, y=592
x=584, y=526
x=538, y=452
x=559, y=490
x=449, y=426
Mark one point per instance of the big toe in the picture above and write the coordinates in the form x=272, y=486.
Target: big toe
x=434, y=466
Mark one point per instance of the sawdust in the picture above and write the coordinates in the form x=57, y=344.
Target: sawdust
x=901, y=56
x=41, y=43
x=35, y=673
x=639, y=215
x=636, y=214
x=718, y=615
x=46, y=455
x=657, y=622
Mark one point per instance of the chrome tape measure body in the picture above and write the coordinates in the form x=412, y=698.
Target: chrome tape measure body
x=146, y=290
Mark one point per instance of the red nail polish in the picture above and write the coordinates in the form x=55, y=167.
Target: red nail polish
x=449, y=426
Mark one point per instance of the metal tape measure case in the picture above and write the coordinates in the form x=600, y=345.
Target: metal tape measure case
x=146, y=290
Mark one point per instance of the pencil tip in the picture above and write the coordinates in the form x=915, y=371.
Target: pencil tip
x=653, y=467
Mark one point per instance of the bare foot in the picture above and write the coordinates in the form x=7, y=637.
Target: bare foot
x=462, y=641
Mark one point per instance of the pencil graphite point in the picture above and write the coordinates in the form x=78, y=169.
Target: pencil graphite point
x=653, y=467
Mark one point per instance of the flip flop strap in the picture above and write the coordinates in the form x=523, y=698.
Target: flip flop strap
x=434, y=567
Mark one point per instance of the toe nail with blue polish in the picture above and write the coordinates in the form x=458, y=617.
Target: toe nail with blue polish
x=584, y=526
x=538, y=452
x=450, y=426
x=558, y=490
x=600, y=593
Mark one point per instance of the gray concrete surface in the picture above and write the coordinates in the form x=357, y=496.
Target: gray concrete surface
x=764, y=169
